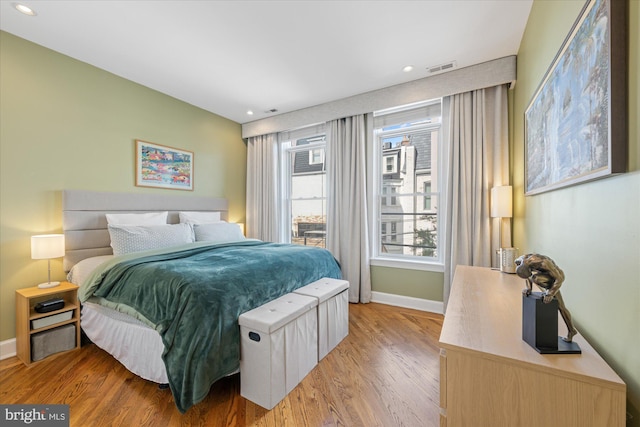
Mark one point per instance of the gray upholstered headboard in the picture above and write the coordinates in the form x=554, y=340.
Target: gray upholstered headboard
x=85, y=225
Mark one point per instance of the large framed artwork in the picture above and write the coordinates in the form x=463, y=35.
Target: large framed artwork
x=164, y=167
x=576, y=122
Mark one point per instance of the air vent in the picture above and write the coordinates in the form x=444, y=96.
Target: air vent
x=271, y=111
x=442, y=67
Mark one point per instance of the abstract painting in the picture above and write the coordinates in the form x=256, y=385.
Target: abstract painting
x=576, y=124
x=165, y=167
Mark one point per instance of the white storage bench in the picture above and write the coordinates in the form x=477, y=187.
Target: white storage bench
x=333, y=311
x=278, y=347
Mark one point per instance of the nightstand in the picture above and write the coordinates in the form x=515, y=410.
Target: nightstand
x=51, y=332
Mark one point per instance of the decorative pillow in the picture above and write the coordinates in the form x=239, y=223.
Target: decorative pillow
x=151, y=218
x=199, y=217
x=83, y=269
x=131, y=238
x=218, y=232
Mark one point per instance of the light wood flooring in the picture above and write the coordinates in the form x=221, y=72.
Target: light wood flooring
x=385, y=373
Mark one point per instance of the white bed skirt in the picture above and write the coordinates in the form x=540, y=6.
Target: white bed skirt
x=137, y=346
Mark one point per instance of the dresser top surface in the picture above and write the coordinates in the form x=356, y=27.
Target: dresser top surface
x=484, y=316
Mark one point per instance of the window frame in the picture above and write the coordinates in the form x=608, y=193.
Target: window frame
x=287, y=152
x=435, y=264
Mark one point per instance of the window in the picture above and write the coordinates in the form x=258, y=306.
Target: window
x=389, y=191
x=427, y=195
x=407, y=183
x=316, y=156
x=304, y=187
x=390, y=164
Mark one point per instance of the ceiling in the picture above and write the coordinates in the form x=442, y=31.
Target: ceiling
x=229, y=57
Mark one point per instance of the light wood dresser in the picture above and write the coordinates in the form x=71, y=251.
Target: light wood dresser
x=489, y=376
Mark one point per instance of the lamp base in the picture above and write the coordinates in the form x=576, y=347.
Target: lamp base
x=46, y=285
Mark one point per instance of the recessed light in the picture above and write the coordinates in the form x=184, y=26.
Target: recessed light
x=249, y=112
x=24, y=9
x=408, y=68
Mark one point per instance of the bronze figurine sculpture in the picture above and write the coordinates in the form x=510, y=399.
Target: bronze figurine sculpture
x=542, y=271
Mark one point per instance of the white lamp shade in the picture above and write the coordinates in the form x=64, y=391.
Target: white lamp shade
x=47, y=246
x=501, y=202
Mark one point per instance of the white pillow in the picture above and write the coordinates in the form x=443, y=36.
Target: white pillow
x=83, y=269
x=199, y=217
x=151, y=218
x=132, y=238
x=218, y=232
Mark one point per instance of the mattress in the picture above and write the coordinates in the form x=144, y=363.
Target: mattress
x=134, y=344
x=137, y=346
x=189, y=296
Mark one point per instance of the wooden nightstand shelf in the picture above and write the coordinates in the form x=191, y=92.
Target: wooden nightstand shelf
x=26, y=300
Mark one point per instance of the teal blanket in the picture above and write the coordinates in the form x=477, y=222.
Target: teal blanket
x=194, y=294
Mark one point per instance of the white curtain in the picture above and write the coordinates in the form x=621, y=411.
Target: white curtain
x=476, y=134
x=347, y=227
x=263, y=199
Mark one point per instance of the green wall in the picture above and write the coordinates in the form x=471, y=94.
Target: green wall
x=591, y=230
x=68, y=125
x=409, y=283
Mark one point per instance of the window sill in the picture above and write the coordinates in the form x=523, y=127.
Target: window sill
x=408, y=264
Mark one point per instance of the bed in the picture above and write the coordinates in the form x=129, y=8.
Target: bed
x=167, y=308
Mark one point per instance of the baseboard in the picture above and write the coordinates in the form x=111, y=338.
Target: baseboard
x=7, y=348
x=408, y=302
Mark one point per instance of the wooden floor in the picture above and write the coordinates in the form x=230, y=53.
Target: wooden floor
x=385, y=373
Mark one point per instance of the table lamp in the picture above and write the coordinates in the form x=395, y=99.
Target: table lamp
x=501, y=207
x=47, y=246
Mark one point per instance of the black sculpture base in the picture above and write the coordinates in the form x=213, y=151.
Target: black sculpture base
x=540, y=326
x=565, y=348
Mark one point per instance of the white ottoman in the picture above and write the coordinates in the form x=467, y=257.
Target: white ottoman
x=333, y=311
x=278, y=347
